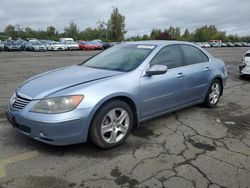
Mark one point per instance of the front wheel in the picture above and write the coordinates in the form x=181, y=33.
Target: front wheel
x=111, y=124
x=213, y=94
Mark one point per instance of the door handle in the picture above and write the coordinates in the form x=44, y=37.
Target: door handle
x=179, y=75
x=207, y=69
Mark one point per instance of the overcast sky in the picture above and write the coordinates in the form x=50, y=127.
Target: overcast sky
x=232, y=16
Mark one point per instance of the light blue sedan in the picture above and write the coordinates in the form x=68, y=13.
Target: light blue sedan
x=103, y=98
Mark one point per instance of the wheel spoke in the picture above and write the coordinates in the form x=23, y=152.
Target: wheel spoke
x=122, y=117
x=211, y=96
x=213, y=101
x=113, y=136
x=122, y=129
x=112, y=115
x=107, y=128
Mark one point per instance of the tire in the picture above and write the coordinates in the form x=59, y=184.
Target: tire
x=113, y=133
x=213, y=94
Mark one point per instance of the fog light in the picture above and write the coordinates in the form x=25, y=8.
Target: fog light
x=43, y=134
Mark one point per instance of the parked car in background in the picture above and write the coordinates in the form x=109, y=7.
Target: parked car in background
x=83, y=45
x=238, y=44
x=230, y=44
x=223, y=44
x=22, y=43
x=94, y=100
x=47, y=43
x=244, y=66
x=1, y=46
x=71, y=45
x=199, y=44
x=206, y=45
x=215, y=44
x=57, y=46
x=97, y=45
x=98, y=41
x=35, y=45
x=246, y=44
x=12, y=45
x=107, y=45
x=66, y=40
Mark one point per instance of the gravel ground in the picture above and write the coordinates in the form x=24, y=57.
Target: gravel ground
x=194, y=147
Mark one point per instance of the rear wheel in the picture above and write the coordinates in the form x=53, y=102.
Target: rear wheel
x=213, y=94
x=111, y=124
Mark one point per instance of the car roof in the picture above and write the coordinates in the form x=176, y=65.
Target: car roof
x=248, y=52
x=159, y=42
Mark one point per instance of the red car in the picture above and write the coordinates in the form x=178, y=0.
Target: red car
x=86, y=46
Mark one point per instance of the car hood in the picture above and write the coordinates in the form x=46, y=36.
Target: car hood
x=73, y=44
x=57, y=45
x=37, y=45
x=50, y=82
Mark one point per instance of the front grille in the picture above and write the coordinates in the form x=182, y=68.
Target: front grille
x=20, y=102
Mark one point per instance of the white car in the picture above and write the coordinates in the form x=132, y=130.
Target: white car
x=70, y=45
x=206, y=45
x=245, y=64
x=56, y=46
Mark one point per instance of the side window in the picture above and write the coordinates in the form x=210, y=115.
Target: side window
x=169, y=56
x=193, y=55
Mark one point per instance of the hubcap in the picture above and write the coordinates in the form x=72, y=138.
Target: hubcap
x=215, y=93
x=115, y=125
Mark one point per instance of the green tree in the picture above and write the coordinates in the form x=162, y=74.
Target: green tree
x=187, y=36
x=51, y=31
x=116, y=26
x=10, y=31
x=71, y=31
x=233, y=38
x=145, y=37
x=174, y=32
x=207, y=33
x=155, y=33
x=30, y=33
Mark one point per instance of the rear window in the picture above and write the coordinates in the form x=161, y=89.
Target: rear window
x=193, y=55
x=247, y=55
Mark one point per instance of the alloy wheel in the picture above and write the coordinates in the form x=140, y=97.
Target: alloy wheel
x=215, y=93
x=115, y=125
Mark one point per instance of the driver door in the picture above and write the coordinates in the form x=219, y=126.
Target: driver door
x=162, y=93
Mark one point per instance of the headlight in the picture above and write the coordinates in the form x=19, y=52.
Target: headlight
x=57, y=105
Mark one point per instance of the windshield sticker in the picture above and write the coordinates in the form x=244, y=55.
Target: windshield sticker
x=146, y=46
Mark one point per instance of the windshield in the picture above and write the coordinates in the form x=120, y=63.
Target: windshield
x=121, y=58
x=71, y=42
x=11, y=42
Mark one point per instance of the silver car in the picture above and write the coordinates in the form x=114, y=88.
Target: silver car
x=245, y=64
x=35, y=46
x=106, y=96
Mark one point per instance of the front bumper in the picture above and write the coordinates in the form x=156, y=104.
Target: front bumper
x=74, y=48
x=69, y=130
x=57, y=48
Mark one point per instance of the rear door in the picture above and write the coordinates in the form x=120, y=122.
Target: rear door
x=197, y=73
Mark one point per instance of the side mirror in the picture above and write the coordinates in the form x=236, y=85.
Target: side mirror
x=157, y=70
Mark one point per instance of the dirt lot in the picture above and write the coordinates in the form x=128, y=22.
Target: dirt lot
x=194, y=147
